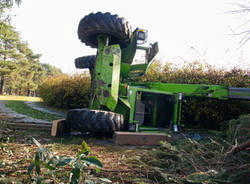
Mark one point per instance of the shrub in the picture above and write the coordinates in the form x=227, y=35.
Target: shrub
x=196, y=73
x=66, y=91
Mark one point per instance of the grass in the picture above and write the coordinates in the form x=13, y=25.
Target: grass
x=19, y=98
x=16, y=103
x=21, y=108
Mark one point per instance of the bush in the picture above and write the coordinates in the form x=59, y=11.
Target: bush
x=64, y=91
x=196, y=73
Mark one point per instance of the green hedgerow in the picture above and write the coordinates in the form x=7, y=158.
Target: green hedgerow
x=66, y=91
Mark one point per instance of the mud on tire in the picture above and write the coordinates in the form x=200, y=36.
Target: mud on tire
x=95, y=121
x=92, y=25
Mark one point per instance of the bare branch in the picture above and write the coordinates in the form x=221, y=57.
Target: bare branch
x=243, y=9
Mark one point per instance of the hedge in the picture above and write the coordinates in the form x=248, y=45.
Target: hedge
x=64, y=91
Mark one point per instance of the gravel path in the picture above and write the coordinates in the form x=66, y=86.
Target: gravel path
x=12, y=116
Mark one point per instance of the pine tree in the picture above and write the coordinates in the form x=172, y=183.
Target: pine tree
x=5, y=7
x=51, y=70
x=8, y=52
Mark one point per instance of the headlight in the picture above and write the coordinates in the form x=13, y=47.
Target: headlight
x=142, y=35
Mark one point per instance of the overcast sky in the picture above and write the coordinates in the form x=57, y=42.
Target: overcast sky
x=185, y=30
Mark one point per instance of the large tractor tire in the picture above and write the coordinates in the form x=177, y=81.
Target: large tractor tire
x=92, y=25
x=85, y=62
x=95, y=121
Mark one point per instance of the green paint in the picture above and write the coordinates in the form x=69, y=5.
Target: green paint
x=107, y=75
x=155, y=114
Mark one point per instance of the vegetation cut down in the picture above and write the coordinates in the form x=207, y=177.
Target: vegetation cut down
x=184, y=159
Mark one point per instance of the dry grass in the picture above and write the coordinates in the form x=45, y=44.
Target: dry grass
x=19, y=98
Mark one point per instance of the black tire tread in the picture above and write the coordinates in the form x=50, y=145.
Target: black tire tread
x=85, y=62
x=95, y=121
x=104, y=23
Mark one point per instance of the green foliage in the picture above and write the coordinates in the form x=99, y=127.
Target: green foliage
x=20, y=69
x=6, y=5
x=66, y=91
x=203, y=112
x=196, y=73
x=51, y=70
x=44, y=159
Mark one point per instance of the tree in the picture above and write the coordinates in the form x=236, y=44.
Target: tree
x=51, y=70
x=9, y=39
x=6, y=5
x=28, y=73
x=20, y=68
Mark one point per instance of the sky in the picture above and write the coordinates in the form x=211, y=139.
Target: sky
x=185, y=30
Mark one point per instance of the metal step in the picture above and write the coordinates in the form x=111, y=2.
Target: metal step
x=239, y=93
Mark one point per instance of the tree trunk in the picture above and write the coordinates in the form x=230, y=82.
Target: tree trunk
x=2, y=85
x=28, y=92
x=10, y=91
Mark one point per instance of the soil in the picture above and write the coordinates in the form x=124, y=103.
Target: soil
x=17, y=152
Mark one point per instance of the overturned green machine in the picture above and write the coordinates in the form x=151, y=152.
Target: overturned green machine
x=117, y=103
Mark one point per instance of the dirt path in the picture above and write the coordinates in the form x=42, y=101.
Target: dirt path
x=12, y=116
x=37, y=106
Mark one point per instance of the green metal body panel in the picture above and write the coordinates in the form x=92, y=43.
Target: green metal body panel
x=128, y=53
x=107, y=76
x=198, y=90
x=178, y=91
